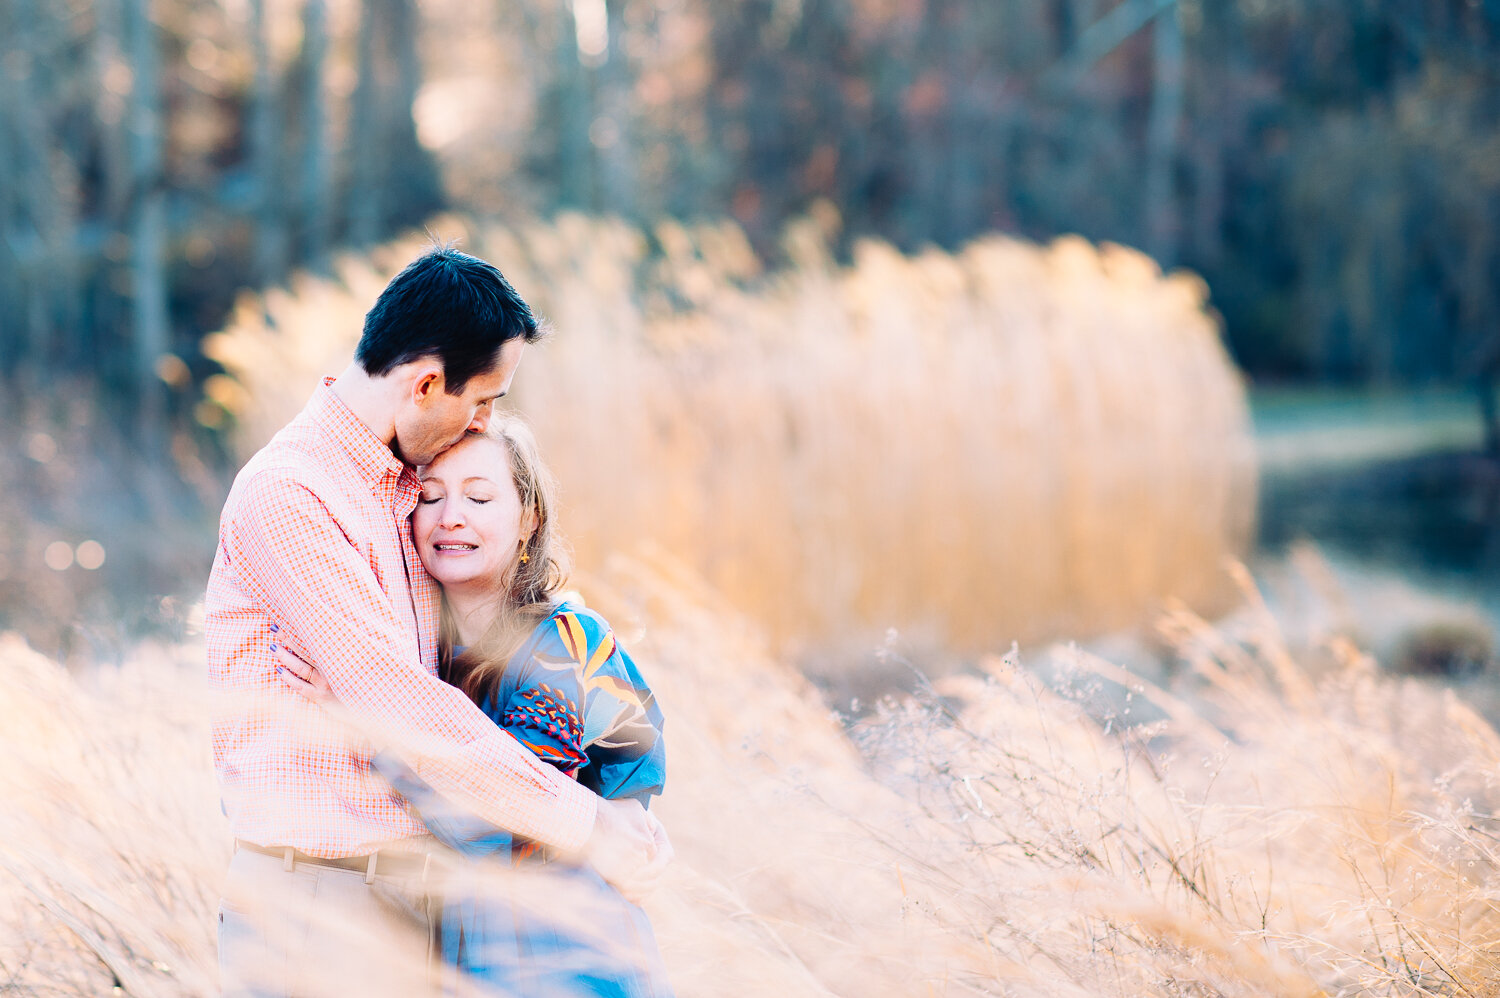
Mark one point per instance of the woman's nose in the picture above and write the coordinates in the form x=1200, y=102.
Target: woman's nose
x=451, y=514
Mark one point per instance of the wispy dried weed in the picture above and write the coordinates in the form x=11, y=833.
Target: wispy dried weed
x=1256, y=830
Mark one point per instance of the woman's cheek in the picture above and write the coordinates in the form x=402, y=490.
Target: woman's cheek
x=421, y=527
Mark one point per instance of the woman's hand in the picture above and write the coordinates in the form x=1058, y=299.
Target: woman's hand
x=303, y=677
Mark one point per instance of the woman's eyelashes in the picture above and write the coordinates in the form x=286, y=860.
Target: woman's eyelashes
x=477, y=498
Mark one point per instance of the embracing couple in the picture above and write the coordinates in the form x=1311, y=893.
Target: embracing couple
x=435, y=763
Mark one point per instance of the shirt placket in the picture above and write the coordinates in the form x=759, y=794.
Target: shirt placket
x=388, y=495
x=403, y=502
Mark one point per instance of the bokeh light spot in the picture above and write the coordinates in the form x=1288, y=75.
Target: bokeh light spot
x=173, y=370
x=58, y=556
x=41, y=448
x=90, y=555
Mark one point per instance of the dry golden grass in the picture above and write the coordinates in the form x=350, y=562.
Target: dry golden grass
x=1259, y=830
x=1011, y=441
x=1008, y=441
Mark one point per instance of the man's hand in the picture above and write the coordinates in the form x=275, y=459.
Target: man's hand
x=629, y=847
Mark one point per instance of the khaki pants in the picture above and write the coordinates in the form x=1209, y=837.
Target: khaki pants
x=316, y=931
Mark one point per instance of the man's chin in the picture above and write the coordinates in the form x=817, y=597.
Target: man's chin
x=415, y=459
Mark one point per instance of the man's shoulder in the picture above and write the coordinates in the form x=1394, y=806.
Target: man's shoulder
x=294, y=459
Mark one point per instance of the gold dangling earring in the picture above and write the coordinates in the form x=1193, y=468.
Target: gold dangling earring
x=524, y=556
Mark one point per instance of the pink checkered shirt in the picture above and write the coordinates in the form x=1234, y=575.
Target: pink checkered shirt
x=314, y=538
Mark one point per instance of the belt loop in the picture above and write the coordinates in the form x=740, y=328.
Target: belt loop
x=286, y=858
x=370, y=869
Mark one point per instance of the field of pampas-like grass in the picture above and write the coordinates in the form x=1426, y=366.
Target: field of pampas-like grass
x=1008, y=442
x=1257, y=829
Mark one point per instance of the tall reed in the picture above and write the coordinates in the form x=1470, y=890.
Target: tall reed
x=1010, y=441
x=1258, y=830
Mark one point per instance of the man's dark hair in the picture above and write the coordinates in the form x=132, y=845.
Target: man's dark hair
x=446, y=303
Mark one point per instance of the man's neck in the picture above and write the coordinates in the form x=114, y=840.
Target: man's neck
x=369, y=399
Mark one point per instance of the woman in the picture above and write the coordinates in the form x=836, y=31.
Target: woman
x=550, y=672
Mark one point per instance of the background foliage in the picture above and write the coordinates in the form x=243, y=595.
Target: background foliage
x=1329, y=167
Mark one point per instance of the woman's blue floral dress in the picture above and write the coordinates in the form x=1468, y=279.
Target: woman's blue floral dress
x=573, y=696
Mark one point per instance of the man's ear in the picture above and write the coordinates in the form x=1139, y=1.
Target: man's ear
x=427, y=380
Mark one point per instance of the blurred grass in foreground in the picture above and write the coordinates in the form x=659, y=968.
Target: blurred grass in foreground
x=1011, y=441
x=1269, y=826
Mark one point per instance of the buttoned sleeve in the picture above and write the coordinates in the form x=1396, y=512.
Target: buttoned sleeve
x=289, y=552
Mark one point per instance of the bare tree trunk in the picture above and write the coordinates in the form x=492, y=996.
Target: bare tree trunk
x=110, y=105
x=12, y=287
x=410, y=174
x=316, y=170
x=1162, y=138
x=148, y=220
x=1490, y=413
x=111, y=70
x=613, y=136
x=1081, y=14
x=364, y=149
x=270, y=250
x=49, y=273
x=575, y=111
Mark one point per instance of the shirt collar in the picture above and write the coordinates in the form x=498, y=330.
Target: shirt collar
x=372, y=456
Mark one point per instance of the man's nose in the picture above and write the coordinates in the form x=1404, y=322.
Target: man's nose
x=481, y=420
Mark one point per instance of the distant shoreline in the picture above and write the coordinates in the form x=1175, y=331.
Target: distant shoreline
x=1313, y=431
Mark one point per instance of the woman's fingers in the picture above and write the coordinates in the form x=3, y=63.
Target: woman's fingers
x=300, y=676
x=292, y=663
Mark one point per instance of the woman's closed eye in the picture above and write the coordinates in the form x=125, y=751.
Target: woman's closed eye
x=479, y=500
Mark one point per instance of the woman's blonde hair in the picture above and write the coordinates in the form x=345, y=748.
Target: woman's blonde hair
x=531, y=590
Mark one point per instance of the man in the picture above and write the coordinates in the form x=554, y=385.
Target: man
x=328, y=891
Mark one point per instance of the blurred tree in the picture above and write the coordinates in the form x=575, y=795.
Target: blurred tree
x=1332, y=170
x=148, y=235
x=314, y=206
x=269, y=261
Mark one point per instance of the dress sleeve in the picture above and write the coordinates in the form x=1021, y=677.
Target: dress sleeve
x=622, y=723
x=543, y=714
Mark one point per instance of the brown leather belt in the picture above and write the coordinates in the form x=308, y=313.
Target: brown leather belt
x=384, y=862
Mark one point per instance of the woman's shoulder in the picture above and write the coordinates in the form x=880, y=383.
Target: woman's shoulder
x=574, y=631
